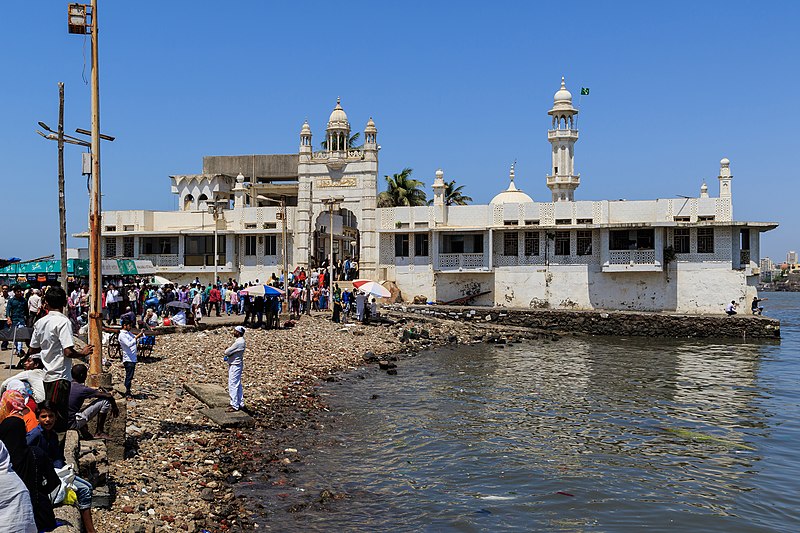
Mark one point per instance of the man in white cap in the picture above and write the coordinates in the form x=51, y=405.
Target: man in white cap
x=234, y=356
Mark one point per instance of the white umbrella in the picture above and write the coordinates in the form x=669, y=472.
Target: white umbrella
x=263, y=290
x=158, y=280
x=372, y=287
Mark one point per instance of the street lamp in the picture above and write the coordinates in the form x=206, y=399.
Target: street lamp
x=284, y=248
x=82, y=19
x=60, y=137
x=215, y=209
x=331, y=202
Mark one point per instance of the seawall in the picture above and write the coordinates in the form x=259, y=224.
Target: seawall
x=615, y=323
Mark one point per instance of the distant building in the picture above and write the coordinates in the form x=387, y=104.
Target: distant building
x=673, y=254
x=791, y=258
x=766, y=264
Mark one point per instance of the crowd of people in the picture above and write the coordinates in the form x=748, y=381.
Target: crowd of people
x=36, y=406
x=50, y=395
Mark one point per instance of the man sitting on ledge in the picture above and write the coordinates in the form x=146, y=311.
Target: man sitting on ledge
x=78, y=418
x=730, y=309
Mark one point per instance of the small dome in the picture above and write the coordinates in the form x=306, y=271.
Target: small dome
x=370, y=126
x=704, y=187
x=562, y=95
x=338, y=116
x=725, y=162
x=306, y=129
x=512, y=195
x=240, y=178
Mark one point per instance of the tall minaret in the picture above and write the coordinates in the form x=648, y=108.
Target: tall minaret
x=562, y=180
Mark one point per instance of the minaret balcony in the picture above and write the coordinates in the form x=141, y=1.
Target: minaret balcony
x=564, y=180
x=562, y=134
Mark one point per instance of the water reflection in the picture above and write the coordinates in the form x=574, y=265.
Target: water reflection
x=580, y=434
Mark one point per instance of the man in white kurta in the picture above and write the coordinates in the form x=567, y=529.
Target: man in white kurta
x=234, y=356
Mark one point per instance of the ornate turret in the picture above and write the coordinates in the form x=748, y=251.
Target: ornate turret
x=563, y=181
x=239, y=192
x=338, y=129
x=305, y=139
x=370, y=136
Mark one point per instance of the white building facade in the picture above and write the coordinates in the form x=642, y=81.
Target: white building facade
x=685, y=255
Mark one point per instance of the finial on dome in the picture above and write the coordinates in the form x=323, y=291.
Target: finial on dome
x=338, y=100
x=511, y=172
x=563, y=83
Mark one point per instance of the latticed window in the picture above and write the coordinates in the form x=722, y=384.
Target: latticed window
x=510, y=243
x=705, y=240
x=584, y=242
x=127, y=247
x=680, y=240
x=111, y=247
x=562, y=243
x=531, y=243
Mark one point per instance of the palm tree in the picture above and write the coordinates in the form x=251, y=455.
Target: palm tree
x=453, y=194
x=402, y=190
x=351, y=142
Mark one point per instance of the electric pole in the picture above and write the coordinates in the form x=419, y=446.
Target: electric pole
x=62, y=207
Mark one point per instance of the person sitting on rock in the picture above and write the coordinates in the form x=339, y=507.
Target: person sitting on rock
x=46, y=440
x=78, y=418
x=33, y=376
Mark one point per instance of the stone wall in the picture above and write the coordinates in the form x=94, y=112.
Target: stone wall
x=614, y=323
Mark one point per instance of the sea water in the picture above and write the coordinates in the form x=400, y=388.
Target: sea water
x=582, y=434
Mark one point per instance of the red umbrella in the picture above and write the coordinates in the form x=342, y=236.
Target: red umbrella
x=372, y=287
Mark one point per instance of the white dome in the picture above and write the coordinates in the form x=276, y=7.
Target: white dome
x=512, y=195
x=306, y=129
x=562, y=95
x=338, y=114
x=725, y=161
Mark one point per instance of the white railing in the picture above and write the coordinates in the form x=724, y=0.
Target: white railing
x=636, y=257
x=561, y=132
x=461, y=262
x=163, y=260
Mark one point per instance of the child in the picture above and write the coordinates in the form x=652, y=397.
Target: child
x=45, y=439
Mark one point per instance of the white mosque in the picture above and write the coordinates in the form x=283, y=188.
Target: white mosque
x=686, y=255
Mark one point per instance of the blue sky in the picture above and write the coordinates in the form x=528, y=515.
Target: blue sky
x=675, y=86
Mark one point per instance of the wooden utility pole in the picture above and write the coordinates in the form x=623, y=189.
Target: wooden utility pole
x=62, y=208
x=95, y=220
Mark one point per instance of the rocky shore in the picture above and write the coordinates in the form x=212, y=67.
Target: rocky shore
x=179, y=470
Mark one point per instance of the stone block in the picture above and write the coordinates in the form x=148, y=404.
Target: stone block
x=101, y=497
x=223, y=418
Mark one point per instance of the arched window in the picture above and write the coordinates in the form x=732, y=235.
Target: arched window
x=188, y=202
x=202, y=202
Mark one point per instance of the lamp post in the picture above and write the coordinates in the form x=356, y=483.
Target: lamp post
x=60, y=137
x=215, y=209
x=82, y=21
x=284, y=246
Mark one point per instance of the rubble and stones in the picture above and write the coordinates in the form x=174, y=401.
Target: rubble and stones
x=179, y=469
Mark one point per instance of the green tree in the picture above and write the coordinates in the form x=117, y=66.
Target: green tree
x=453, y=195
x=352, y=142
x=402, y=190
